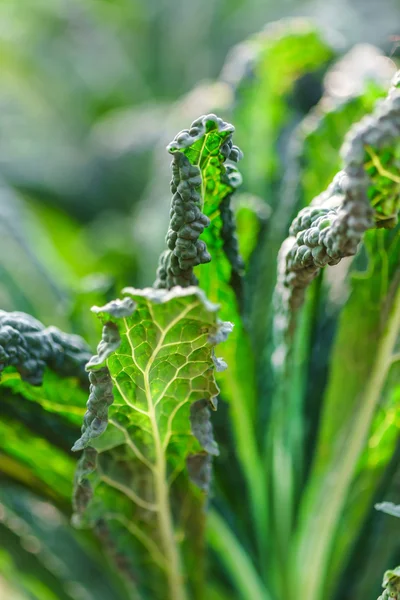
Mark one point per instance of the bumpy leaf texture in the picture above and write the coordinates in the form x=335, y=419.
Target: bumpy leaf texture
x=29, y=347
x=202, y=232
x=364, y=193
x=352, y=87
x=42, y=393
x=143, y=477
x=370, y=320
x=362, y=358
x=201, y=185
x=42, y=401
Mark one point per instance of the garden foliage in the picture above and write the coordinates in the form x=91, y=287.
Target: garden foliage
x=243, y=412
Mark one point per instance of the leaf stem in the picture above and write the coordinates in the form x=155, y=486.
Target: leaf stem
x=316, y=539
x=235, y=558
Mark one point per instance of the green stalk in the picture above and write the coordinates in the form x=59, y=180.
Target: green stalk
x=284, y=438
x=235, y=558
x=319, y=527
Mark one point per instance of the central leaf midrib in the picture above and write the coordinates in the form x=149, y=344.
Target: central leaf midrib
x=161, y=487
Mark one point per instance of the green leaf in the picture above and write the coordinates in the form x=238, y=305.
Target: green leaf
x=202, y=185
x=352, y=86
x=349, y=409
x=144, y=479
x=202, y=232
x=251, y=216
x=235, y=559
x=32, y=460
x=44, y=368
x=293, y=329
x=333, y=225
x=264, y=70
x=276, y=75
x=374, y=470
x=28, y=347
x=322, y=234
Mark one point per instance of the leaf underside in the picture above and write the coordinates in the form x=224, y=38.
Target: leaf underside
x=144, y=478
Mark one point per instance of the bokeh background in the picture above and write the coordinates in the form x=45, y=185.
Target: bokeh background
x=91, y=91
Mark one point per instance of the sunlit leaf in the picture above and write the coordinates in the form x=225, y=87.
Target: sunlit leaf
x=143, y=480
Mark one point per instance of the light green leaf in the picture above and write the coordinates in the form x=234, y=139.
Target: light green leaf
x=251, y=216
x=202, y=232
x=153, y=383
x=322, y=234
x=352, y=87
x=264, y=70
x=235, y=559
x=349, y=409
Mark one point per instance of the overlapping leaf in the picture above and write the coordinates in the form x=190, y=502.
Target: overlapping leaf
x=202, y=231
x=381, y=278
x=352, y=86
x=42, y=399
x=361, y=358
x=265, y=70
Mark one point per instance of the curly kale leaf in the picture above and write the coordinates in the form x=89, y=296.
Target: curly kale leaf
x=352, y=86
x=42, y=400
x=201, y=186
x=29, y=347
x=322, y=234
x=365, y=193
x=148, y=441
x=362, y=357
x=201, y=214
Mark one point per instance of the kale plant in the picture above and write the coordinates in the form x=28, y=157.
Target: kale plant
x=239, y=421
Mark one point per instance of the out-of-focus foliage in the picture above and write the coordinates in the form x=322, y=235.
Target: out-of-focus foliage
x=267, y=72
x=44, y=557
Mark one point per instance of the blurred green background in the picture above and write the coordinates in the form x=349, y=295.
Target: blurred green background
x=90, y=93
